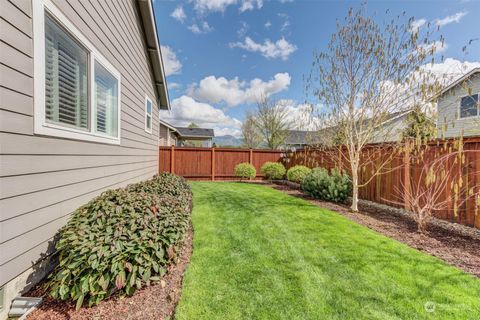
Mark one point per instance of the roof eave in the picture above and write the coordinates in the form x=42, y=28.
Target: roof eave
x=456, y=82
x=154, y=53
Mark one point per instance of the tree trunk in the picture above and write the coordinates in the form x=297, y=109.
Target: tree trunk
x=354, y=206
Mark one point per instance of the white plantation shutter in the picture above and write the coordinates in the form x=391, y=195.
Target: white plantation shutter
x=106, y=101
x=66, y=71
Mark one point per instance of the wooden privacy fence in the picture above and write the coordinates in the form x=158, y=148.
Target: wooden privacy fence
x=404, y=170
x=212, y=163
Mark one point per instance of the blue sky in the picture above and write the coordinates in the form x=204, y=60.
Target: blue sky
x=220, y=54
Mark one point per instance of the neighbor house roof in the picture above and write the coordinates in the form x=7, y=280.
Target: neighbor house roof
x=154, y=52
x=195, y=132
x=459, y=80
x=299, y=137
x=168, y=125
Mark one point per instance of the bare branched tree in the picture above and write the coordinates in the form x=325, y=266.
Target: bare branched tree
x=250, y=133
x=439, y=174
x=272, y=120
x=369, y=74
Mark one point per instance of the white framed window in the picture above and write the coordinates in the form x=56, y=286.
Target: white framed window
x=469, y=106
x=148, y=114
x=77, y=91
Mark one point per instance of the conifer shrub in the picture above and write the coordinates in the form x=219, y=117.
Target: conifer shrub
x=334, y=186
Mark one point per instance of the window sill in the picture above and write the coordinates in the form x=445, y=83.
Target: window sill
x=53, y=130
x=469, y=118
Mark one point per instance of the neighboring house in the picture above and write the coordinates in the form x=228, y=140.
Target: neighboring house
x=392, y=128
x=168, y=134
x=185, y=137
x=301, y=139
x=459, y=107
x=81, y=86
x=195, y=137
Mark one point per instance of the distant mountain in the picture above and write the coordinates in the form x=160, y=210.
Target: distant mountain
x=227, y=141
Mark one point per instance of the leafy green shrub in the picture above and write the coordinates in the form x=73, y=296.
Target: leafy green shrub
x=331, y=187
x=121, y=240
x=165, y=184
x=245, y=171
x=297, y=173
x=273, y=170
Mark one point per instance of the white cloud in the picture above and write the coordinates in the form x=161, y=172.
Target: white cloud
x=234, y=92
x=250, y=5
x=268, y=24
x=452, y=68
x=201, y=28
x=417, y=24
x=286, y=21
x=271, y=50
x=186, y=110
x=174, y=85
x=205, y=6
x=450, y=19
x=436, y=46
x=179, y=14
x=171, y=63
x=243, y=29
x=300, y=115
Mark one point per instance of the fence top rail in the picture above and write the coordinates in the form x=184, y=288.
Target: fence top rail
x=466, y=140
x=222, y=149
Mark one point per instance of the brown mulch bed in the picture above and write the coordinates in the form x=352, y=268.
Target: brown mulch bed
x=445, y=243
x=154, y=302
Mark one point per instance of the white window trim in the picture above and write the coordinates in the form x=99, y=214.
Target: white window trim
x=147, y=99
x=41, y=126
x=459, y=109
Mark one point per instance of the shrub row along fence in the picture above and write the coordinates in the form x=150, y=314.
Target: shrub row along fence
x=403, y=176
x=212, y=163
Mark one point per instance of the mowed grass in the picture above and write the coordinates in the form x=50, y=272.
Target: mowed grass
x=261, y=254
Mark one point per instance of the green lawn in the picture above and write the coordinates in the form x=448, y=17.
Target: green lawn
x=261, y=254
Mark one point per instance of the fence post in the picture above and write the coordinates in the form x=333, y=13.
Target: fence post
x=172, y=159
x=305, y=156
x=406, y=176
x=213, y=163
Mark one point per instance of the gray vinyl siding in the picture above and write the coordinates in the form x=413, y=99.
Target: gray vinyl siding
x=44, y=178
x=163, y=135
x=391, y=132
x=449, y=124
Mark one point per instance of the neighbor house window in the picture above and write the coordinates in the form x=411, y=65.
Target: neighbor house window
x=77, y=90
x=469, y=106
x=148, y=115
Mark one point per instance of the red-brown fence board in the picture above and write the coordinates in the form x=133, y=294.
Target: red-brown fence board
x=212, y=163
x=386, y=188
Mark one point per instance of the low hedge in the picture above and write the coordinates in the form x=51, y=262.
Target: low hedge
x=122, y=240
x=245, y=171
x=273, y=170
x=333, y=186
x=298, y=173
x=165, y=184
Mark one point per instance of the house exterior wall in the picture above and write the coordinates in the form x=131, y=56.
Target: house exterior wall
x=392, y=131
x=43, y=178
x=173, y=139
x=449, y=124
x=167, y=136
